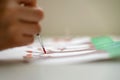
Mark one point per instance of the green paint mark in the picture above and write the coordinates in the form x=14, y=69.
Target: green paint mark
x=113, y=49
x=101, y=42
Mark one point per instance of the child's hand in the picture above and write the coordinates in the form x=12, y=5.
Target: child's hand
x=19, y=23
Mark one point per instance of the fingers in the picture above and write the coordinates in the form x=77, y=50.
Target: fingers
x=27, y=14
x=21, y=40
x=24, y=40
x=22, y=22
x=29, y=28
x=30, y=14
x=26, y=25
x=22, y=33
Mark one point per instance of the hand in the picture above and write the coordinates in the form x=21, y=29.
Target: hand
x=19, y=23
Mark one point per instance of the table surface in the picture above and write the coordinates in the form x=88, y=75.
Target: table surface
x=100, y=70
x=107, y=70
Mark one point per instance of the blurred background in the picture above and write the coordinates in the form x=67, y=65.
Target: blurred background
x=80, y=17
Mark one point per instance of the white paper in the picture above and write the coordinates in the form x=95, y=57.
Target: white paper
x=74, y=51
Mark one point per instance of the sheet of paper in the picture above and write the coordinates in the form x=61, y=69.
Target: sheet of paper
x=75, y=50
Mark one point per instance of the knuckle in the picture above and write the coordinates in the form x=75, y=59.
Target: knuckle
x=12, y=8
x=10, y=11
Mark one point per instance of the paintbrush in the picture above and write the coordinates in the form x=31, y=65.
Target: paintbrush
x=41, y=43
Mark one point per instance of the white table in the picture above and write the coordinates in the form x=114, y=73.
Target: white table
x=108, y=70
